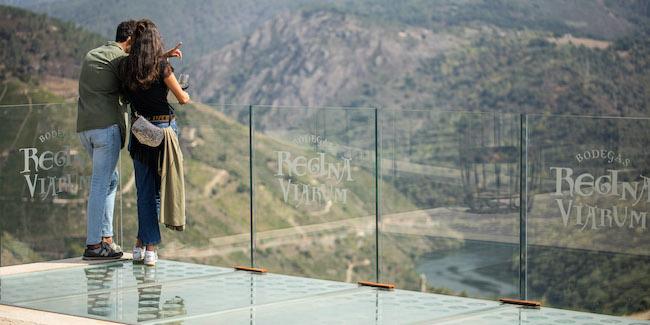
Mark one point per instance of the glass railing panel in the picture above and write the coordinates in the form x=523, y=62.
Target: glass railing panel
x=215, y=146
x=588, y=238
x=314, y=192
x=44, y=182
x=450, y=201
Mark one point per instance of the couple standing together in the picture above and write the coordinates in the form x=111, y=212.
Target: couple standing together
x=134, y=69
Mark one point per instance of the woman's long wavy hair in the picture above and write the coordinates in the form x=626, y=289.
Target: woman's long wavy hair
x=141, y=68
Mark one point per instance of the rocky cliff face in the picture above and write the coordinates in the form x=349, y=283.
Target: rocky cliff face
x=330, y=58
x=321, y=58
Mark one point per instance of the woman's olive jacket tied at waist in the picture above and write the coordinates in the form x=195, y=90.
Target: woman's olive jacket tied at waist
x=172, y=183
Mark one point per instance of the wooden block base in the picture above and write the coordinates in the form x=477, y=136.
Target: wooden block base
x=250, y=269
x=525, y=303
x=386, y=286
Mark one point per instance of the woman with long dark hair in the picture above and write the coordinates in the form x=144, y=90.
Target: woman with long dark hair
x=147, y=78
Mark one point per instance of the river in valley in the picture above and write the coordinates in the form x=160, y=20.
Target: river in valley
x=480, y=269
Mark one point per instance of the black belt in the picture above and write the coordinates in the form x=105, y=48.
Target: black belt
x=161, y=118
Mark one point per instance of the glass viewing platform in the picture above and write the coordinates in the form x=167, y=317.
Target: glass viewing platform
x=456, y=209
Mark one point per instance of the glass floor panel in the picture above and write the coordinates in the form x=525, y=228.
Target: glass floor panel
x=102, y=277
x=361, y=306
x=144, y=296
x=182, y=293
x=542, y=316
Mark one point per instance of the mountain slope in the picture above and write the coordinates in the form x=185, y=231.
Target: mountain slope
x=442, y=53
x=33, y=45
x=207, y=25
x=202, y=25
x=40, y=57
x=314, y=58
x=596, y=19
x=328, y=58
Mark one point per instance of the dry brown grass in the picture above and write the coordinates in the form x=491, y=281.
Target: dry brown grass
x=64, y=87
x=642, y=315
x=577, y=41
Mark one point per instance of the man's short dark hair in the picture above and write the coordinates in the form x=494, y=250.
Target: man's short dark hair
x=124, y=30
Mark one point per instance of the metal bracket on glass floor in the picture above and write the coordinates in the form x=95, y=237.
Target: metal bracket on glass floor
x=525, y=303
x=386, y=286
x=250, y=269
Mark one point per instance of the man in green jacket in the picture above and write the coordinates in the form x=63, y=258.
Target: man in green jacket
x=101, y=126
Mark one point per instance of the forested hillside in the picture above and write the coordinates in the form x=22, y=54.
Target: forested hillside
x=38, y=56
x=33, y=46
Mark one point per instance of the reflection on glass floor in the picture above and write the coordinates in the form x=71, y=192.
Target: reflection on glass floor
x=182, y=293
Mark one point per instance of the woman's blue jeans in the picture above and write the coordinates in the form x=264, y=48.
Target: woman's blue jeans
x=147, y=183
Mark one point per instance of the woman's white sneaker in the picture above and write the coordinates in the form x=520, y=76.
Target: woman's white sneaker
x=138, y=254
x=150, y=258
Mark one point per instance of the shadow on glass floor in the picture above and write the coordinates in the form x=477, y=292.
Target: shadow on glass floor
x=183, y=293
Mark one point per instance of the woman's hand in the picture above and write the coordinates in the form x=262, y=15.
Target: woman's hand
x=175, y=52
